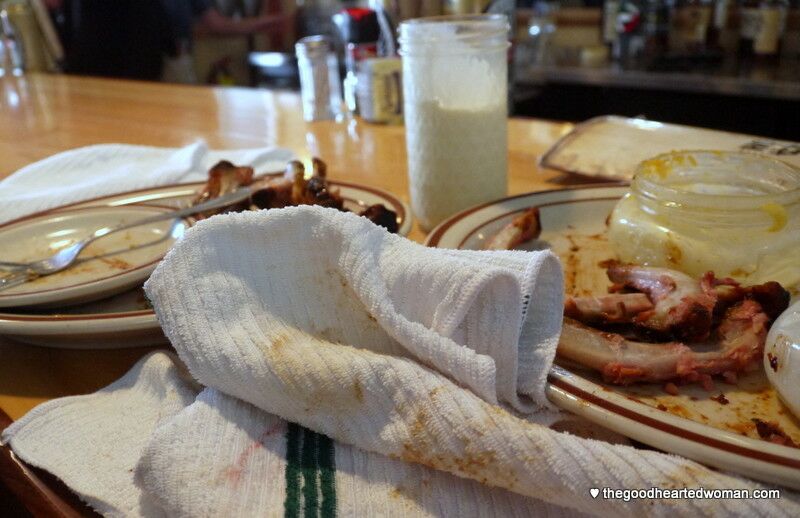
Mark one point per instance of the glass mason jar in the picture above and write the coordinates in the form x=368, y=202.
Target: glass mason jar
x=455, y=84
x=736, y=214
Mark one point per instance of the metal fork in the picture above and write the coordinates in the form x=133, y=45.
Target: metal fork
x=64, y=258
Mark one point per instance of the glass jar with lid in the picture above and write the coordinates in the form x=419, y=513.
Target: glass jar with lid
x=736, y=214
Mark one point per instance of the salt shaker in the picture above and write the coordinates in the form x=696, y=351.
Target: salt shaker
x=455, y=105
x=11, y=52
x=319, y=78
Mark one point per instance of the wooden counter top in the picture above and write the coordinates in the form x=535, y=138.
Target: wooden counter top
x=44, y=114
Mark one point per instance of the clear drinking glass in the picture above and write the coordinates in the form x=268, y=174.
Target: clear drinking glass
x=455, y=104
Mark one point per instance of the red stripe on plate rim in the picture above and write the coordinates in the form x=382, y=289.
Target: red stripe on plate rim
x=102, y=279
x=385, y=195
x=436, y=234
x=551, y=204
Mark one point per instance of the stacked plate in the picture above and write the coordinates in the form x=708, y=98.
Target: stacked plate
x=98, y=302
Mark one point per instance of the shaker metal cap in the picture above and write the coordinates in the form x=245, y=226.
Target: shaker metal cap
x=312, y=45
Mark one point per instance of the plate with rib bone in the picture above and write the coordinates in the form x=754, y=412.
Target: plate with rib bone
x=673, y=362
x=126, y=319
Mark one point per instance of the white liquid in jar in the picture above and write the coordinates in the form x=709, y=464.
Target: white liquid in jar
x=457, y=158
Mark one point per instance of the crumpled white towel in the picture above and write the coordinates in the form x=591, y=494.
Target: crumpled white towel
x=94, y=442
x=104, y=169
x=324, y=320
x=320, y=318
x=485, y=320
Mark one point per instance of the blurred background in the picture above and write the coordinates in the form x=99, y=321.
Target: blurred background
x=725, y=64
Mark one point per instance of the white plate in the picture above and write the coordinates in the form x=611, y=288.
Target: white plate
x=125, y=320
x=110, y=265
x=694, y=423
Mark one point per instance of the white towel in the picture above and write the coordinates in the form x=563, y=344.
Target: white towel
x=94, y=442
x=104, y=169
x=318, y=274
x=324, y=320
x=218, y=456
x=432, y=358
x=224, y=457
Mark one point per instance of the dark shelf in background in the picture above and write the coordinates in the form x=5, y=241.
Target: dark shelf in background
x=740, y=97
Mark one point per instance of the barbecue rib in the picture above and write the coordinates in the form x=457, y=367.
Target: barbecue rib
x=682, y=307
x=607, y=309
x=290, y=189
x=727, y=322
x=224, y=178
x=736, y=345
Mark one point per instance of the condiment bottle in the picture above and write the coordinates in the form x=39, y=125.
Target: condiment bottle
x=455, y=105
x=12, y=53
x=627, y=48
x=380, y=90
x=656, y=20
x=608, y=24
x=360, y=31
x=762, y=25
x=719, y=24
x=690, y=24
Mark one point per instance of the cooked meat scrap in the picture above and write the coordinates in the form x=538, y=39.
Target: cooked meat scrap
x=613, y=308
x=771, y=295
x=315, y=190
x=274, y=193
x=288, y=190
x=319, y=193
x=320, y=168
x=224, y=178
x=721, y=399
x=522, y=229
x=296, y=172
x=381, y=216
x=773, y=433
x=683, y=308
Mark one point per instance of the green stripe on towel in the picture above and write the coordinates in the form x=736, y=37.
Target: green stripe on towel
x=291, y=505
x=308, y=463
x=309, y=456
x=327, y=476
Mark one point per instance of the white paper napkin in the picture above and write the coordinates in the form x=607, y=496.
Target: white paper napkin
x=104, y=169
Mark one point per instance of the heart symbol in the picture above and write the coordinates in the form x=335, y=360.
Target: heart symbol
x=594, y=492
